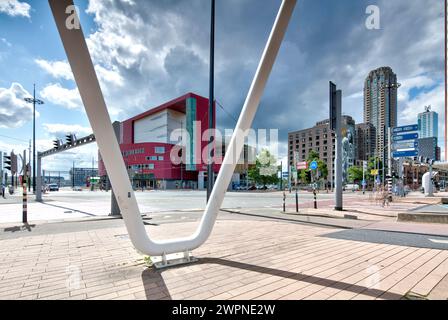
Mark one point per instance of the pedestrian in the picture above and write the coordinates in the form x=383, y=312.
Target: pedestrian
x=3, y=191
x=385, y=197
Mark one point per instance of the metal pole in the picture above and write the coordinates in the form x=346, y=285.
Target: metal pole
x=431, y=190
x=34, y=138
x=73, y=175
x=39, y=179
x=297, y=201
x=338, y=168
x=389, y=152
x=210, y=177
x=29, y=161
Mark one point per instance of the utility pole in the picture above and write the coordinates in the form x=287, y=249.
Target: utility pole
x=389, y=151
x=210, y=177
x=182, y=162
x=34, y=101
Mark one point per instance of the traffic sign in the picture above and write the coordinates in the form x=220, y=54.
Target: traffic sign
x=410, y=144
x=374, y=172
x=403, y=129
x=302, y=165
x=405, y=154
x=404, y=137
x=313, y=165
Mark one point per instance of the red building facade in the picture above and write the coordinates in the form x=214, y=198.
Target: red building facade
x=147, y=140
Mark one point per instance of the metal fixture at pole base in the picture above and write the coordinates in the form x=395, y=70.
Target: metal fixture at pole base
x=90, y=91
x=171, y=260
x=210, y=173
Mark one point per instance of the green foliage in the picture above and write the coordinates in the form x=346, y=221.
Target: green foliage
x=354, y=174
x=265, y=170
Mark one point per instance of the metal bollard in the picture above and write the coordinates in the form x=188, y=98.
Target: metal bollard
x=297, y=201
x=284, y=201
x=25, y=205
x=315, y=198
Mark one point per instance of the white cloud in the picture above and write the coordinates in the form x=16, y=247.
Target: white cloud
x=59, y=130
x=67, y=98
x=15, y=8
x=57, y=69
x=6, y=42
x=14, y=111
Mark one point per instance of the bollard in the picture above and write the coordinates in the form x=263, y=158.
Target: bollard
x=315, y=198
x=25, y=207
x=297, y=201
x=284, y=201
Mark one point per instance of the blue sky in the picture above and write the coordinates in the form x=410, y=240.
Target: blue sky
x=147, y=52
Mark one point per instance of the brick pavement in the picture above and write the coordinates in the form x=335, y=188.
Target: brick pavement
x=241, y=260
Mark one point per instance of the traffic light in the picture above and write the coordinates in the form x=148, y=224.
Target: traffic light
x=71, y=138
x=8, y=163
x=11, y=163
x=57, y=143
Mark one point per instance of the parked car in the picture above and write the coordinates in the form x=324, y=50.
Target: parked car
x=53, y=187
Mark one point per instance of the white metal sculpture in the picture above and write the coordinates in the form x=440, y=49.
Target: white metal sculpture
x=93, y=100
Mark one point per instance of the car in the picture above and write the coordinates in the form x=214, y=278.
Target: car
x=53, y=187
x=77, y=189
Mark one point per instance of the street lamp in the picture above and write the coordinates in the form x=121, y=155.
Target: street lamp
x=34, y=101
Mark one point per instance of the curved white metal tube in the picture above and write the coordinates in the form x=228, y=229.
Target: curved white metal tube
x=93, y=100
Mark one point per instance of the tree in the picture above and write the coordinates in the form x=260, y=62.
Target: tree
x=321, y=165
x=355, y=174
x=265, y=170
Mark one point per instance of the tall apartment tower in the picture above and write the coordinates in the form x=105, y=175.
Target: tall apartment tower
x=365, y=141
x=428, y=124
x=380, y=105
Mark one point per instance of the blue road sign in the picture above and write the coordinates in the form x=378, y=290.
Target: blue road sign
x=403, y=137
x=403, y=129
x=410, y=144
x=405, y=154
x=313, y=165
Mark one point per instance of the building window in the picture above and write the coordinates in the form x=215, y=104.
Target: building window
x=159, y=150
x=151, y=166
x=161, y=158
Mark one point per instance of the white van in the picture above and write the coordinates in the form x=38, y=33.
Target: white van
x=352, y=187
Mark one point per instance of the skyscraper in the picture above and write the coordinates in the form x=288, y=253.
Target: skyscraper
x=428, y=124
x=380, y=105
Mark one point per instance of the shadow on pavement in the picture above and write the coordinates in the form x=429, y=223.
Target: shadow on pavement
x=155, y=288
x=302, y=277
x=71, y=209
x=26, y=226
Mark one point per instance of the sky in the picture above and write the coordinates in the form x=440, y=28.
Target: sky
x=147, y=52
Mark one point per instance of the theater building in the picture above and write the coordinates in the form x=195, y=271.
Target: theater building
x=146, y=143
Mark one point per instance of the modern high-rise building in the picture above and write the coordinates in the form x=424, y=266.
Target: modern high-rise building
x=380, y=105
x=427, y=147
x=365, y=141
x=428, y=123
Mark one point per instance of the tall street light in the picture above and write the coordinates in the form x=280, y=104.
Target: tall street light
x=34, y=101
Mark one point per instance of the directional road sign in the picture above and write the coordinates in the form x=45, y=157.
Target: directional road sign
x=404, y=154
x=403, y=129
x=408, y=144
x=404, y=137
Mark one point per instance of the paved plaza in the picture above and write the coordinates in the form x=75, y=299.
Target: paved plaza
x=250, y=258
